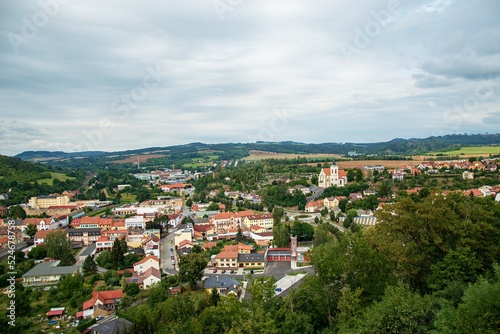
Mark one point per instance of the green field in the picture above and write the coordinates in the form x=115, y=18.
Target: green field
x=56, y=176
x=128, y=198
x=472, y=151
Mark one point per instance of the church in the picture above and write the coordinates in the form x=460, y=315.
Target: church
x=332, y=176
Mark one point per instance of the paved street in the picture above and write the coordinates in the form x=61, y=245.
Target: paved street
x=165, y=254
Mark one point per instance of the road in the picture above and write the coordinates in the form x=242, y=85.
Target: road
x=165, y=254
x=5, y=253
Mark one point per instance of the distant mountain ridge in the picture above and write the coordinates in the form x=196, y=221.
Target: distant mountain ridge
x=238, y=150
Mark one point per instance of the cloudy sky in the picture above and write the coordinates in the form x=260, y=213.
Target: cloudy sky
x=113, y=75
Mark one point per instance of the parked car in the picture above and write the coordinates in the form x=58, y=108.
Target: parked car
x=215, y=270
x=99, y=318
x=171, y=249
x=223, y=271
x=231, y=272
x=278, y=289
x=173, y=261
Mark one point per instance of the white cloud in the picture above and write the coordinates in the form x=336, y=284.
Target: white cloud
x=224, y=80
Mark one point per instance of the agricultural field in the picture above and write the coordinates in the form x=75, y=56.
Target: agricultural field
x=141, y=158
x=56, y=176
x=471, y=151
x=261, y=155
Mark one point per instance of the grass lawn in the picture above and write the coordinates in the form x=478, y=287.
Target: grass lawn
x=128, y=198
x=55, y=176
x=472, y=150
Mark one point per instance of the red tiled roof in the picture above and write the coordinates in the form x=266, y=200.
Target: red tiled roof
x=149, y=257
x=42, y=234
x=326, y=171
x=209, y=244
x=55, y=312
x=227, y=255
x=185, y=242
x=342, y=173
x=103, y=238
x=4, y=240
x=106, y=297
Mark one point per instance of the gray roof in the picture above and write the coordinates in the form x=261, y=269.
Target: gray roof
x=254, y=257
x=51, y=268
x=220, y=282
x=111, y=327
x=81, y=231
x=89, y=250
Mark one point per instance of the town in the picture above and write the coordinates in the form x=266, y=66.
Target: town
x=93, y=261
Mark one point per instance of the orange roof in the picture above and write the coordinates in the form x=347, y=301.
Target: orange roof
x=149, y=257
x=255, y=227
x=342, y=173
x=209, y=244
x=103, y=238
x=228, y=215
x=227, y=255
x=185, y=242
x=42, y=234
x=106, y=297
x=120, y=223
x=326, y=171
x=34, y=221
x=4, y=240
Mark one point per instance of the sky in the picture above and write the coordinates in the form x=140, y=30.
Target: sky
x=86, y=75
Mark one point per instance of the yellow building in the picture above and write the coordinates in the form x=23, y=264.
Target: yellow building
x=43, y=202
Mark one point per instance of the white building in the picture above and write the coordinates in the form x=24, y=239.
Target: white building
x=332, y=176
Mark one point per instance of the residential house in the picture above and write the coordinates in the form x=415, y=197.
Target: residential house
x=314, y=206
x=47, y=273
x=83, y=236
x=102, y=303
x=332, y=176
x=240, y=248
x=151, y=245
x=135, y=222
x=40, y=223
x=264, y=220
x=15, y=233
x=145, y=279
x=304, y=190
x=332, y=202
x=185, y=247
x=466, y=175
x=104, y=243
x=257, y=229
x=4, y=242
x=226, y=259
x=115, y=326
x=355, y=196
x=209, y=245
x=185, y=232
x=41, y=235
x=149, y=261
x=252, y=261
x=225, y=285
x=230, y=220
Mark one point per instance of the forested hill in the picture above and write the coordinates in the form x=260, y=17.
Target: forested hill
x=229, y=151
x=22, y=179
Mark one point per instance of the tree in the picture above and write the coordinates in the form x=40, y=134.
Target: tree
x=31, y=230
x=213, y=207
x=17, y=211
x=38, y=253
x=399, y=311
x=59, y=247
x=89, y=266
x=277, y=214
x=239, y=236
x=281, y=235
x=133, y=289
x=191, y=268
x=189, y=202
x=118, y=253
x=102, y=196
